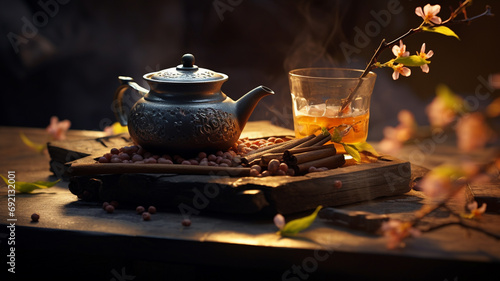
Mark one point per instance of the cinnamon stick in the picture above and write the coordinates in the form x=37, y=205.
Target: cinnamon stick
x=288, y=155
x=315, y=140
x=322, y=141
x=129, y=168
x=309, y=156
x=330, y=162
x=293, y=151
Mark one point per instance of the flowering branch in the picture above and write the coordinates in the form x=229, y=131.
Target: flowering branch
x=431, y=23
x=440, y=185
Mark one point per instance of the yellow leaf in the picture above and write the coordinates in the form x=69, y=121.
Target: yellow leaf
x=28, y=187
x=36, y=146
x=441, y=30
x=118, y=128
x=366, y=147
x=352, y=150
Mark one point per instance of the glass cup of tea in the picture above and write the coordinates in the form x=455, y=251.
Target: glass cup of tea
x=322, y=98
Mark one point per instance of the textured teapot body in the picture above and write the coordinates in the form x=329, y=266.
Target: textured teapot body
x=164, y=125
x=185, y=110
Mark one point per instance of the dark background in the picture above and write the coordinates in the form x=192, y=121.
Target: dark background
x=69, y=67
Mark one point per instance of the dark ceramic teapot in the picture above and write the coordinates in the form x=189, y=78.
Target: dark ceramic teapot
x=185, y=110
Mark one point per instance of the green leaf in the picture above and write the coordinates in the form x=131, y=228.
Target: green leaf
x=336, y=136
x=352, y=150
x=412, y=60
x=28, y=187
x=324, y=131
x=441, y=30
x=295, y=226
x=365, y=147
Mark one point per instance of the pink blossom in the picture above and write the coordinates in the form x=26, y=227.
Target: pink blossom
x=439, y=113
x=428, y=55
x=389, y=146
x=400, y=51
x=57, y=129
x=407, y=125
x=494, y=80
x=475, y=212
x=394, y=137
x=442, y=182
x=400, y=69
x=395, y=231
x=493, y=109
x=429, y=13
x=471, y=168
x=279, y=221
x=472, y=132
x=435, y=187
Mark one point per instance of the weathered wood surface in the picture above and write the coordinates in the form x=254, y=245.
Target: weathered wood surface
x=83, y=238
x=284, y=194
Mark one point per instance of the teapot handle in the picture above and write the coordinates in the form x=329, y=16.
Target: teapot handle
x=118, y=106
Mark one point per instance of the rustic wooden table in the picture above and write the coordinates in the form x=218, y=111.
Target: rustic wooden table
x=78, y=240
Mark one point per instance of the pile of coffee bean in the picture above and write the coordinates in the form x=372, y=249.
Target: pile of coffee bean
x=246, y=145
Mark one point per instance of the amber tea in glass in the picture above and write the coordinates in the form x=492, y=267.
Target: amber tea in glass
x=317, y=96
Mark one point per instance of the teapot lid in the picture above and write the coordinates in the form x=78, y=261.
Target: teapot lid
x=186, y=72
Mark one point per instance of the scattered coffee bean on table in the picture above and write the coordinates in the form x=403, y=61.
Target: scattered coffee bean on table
x=109, y=208
x=140, y=209
x=35, y=217
x=146, y=216
x=186, y=222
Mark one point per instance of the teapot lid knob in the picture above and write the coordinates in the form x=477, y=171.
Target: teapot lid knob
x=187, y=63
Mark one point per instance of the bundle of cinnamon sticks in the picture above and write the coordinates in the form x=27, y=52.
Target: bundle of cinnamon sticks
x=298, y=154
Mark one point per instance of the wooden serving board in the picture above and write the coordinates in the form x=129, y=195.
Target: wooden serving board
x=222, y=193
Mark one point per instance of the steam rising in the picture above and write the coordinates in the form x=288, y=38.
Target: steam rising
x=315, y=40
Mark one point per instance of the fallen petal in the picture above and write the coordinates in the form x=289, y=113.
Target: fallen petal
x=279, y=221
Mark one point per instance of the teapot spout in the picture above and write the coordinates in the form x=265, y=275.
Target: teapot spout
x=247, y=103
